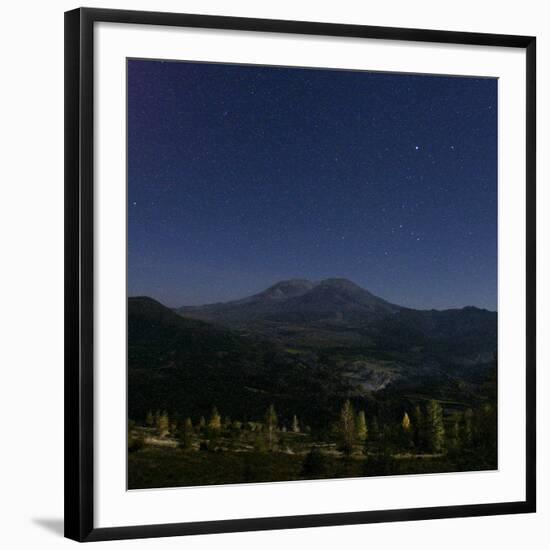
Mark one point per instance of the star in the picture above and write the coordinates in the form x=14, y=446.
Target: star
x=274, y=181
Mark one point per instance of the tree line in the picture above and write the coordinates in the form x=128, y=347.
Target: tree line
x=425, y=430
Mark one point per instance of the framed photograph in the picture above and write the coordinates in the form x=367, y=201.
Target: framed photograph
x=300, y=274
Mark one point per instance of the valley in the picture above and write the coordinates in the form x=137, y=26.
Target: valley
x=327, y=355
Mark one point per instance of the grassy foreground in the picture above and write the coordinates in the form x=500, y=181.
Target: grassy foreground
x=164, y=466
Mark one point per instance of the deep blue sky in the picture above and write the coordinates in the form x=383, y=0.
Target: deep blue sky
x=241, y=176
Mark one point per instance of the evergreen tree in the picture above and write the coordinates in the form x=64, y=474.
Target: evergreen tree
x=362, y=430
x=270, y=426
x=163, y=424
x=455, y=435
x=406, y=423
x=419, y=435
x=173, y=426
x=150, y=419
x=214, y=427
x=436, y=430
x=202, y=424
x=259, y=443
x=347, y=428
x=485, y=432
x=295, y=425
x=215, y=422
x=185, y=433
x=407, y=436
x=468, y=427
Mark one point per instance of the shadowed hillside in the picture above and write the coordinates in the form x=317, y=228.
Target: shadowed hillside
x=337, y=312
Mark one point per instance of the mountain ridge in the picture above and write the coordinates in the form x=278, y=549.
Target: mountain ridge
x=187, y=364
x=328, y=298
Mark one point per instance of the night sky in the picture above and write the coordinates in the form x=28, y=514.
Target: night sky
x=242, y=176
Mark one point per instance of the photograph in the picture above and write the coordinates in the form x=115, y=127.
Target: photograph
x=274, y=275
x=311, y=273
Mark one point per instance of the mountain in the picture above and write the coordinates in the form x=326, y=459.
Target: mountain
x=298, y=300
x=326, y=340
x=284, y=290
x=337, y=312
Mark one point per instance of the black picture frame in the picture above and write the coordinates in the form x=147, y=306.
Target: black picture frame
x=79, y=269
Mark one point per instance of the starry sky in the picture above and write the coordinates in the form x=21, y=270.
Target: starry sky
x=242, y=176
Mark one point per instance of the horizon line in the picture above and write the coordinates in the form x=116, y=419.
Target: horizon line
x=316, y=282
